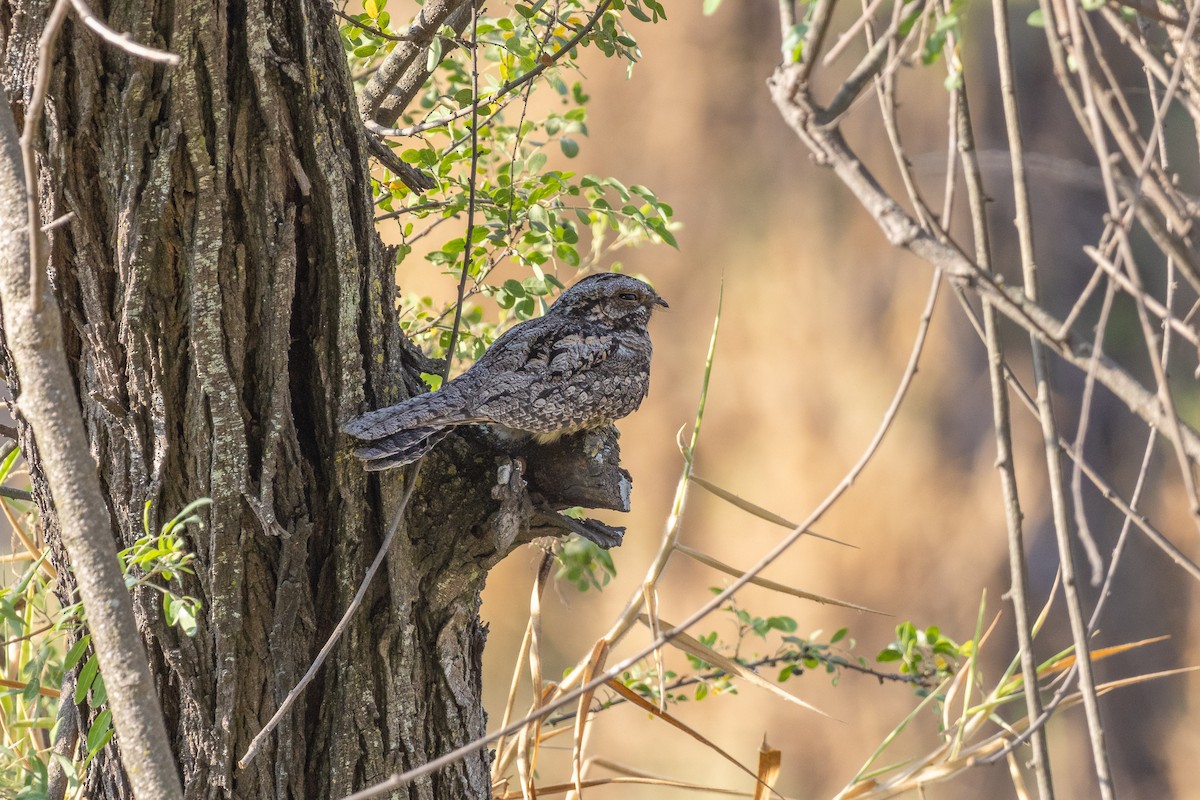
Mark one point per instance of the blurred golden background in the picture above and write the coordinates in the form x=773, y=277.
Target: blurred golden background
x=819, y=319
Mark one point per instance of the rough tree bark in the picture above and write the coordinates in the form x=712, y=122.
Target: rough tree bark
x=227, y=303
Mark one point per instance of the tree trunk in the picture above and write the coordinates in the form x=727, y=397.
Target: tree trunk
x=227, y=302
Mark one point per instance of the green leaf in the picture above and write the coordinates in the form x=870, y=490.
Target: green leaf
x=539, y=217
x=99, y=692
x=839, y=635
x=9, y=462
x=30, y=692
x=793, y=43
x=568, y=254
x=76, y=652
x=433, y=56
x=28, y=576
x=1036, y=19
x=570, y=147
x=100, y=732
x=86, y=676
x=711, y=6
x=660, y=228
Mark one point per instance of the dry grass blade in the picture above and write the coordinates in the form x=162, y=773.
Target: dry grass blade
x=759, y=511
x=665, y=716
x=704, y=558
x=1067, y=662
x=1045, y=612
x=937, y=767
x=650, y=599
x=595, y=664
x=1121, y=683
x=535, y=624
x=769, y=761
x=562, y=788
x=27, y=542
x=1014, y=772
x=504, y=751
x=692, y=646
x=528, y=741
x=21, y=686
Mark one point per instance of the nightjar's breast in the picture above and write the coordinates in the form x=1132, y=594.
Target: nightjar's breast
x=582, y=379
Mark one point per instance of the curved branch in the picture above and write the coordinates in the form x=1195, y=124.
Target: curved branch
x=47, y=399
x=830, y=150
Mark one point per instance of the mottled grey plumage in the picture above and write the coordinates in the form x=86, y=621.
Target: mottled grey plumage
x=582, y=365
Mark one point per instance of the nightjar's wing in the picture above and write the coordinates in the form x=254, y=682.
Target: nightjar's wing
x=562, y=375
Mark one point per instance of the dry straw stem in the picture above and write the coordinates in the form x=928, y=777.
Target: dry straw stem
x=708, y=560
x=951, y=759
x=769, y=762
x=644, y=704
x=504, y=754
x=758, y=511
x=595, y=664
x=20, y=686
x=34, y=552
x=563, y=788
x=529, y=737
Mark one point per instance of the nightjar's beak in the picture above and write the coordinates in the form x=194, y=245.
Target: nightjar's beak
x=658, y=301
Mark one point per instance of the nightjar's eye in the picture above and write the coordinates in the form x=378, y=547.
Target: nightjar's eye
x=630, y=296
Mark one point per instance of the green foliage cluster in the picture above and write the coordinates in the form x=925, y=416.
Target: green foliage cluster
x=35, y=630
x=924, y=653
x=535, y=227
x=584, y=564
x=926, y=658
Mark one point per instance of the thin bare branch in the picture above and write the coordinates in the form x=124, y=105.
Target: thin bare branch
x=121, y=40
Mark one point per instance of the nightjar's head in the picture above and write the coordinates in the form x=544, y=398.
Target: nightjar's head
x=611, y=298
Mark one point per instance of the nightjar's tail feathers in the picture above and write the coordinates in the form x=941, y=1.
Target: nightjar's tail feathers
x=400, y=448
x=420, y=411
